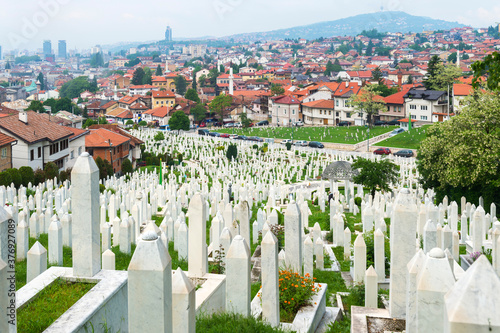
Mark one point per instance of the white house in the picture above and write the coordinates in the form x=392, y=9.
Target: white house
x=422, y=104
x=286, y=111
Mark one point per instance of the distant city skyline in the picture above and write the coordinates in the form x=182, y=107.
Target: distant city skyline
x=86, y=23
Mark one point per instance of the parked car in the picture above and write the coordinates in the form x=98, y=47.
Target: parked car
x=203, y=125
x=316, y=144
x=193, y=127
x=256, y=138
x=229, y=125
x=396, y=132
x=241, y=137
x=262, y=123
x=382, y=151
x=379, y=123
x=284, y=142
x=344, y=123
x=299, y=123
x=214, y=134
x=224, y=135
x=233, y=136
x=238, y=125
x=203, y=132
x=393, y=122
x=404, y=153
x=142, y=164
x=301, y=143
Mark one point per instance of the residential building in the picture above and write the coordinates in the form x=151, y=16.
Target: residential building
x=395, y=106
x=344, y=111
x=6, y=143
x=460, y=92
x=141, y=89
x=109, y=146
x=39, y=141
x=76, y=145
x=160, y=115
x=163, y=98
x=320, y=112
x=422, y=104
x=286, y=110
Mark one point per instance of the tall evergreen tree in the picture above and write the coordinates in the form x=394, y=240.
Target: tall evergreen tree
x=138, y=76
x=159, y=72
x=432, y=71
x=369, y=49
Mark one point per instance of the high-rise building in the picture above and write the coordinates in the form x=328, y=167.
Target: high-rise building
x=168, y=34
x=47, y=48
x=62, y=49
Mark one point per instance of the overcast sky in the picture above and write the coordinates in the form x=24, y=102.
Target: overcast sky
x=24, y=24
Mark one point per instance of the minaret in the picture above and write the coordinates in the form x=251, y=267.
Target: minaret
x=231, y=91
x=458, y=58
x=166, y=66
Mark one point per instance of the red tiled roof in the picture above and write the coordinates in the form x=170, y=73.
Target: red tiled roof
x=320, y=104
x=77, y=132
x=397, y=98
x=101, y=138
x=160, y=112
x=163, y=94
x=461, y=89
x=5, y=139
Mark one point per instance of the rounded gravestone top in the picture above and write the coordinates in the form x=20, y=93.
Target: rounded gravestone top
x=405, y=190
x=149, y=235
x=339, y=170
x=238, y=238
x=437, y=253
x=85, y=154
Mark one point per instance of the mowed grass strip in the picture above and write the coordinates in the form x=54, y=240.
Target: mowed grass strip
x=50, y=304
x=344, y=135
x=408, y=140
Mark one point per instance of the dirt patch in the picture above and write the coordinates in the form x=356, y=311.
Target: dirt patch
x=381, y=325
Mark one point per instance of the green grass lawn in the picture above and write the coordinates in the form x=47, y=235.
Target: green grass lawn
x=408, y=140
x=322, y=134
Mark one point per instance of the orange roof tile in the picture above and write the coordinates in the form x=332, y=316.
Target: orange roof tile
x=102, y=138
x=320, y=104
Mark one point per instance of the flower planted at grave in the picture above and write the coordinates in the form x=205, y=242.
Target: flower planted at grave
x=295, y=292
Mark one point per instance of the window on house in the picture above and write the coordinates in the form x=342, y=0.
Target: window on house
x=348, y=115
x=293, y=111
x=360, y=114
x=72, y=154
x=337, y=114
x=337, y=102
x=79, y=151
x=4, y=152
x=39, y=152
x=413, y=116
x=423, y=117
x=413, y=107
x=423, y=107
x=320, y=111
x=32, y=154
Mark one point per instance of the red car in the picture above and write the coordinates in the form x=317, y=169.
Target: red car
x=224, y=135
x=382, y=151
x=203, y=125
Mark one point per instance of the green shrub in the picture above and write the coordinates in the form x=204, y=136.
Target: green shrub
x=65, y=175
x=296, y=153
x=370, y=250
x=27, y=175
x=295, y=292
x=256, y=146
x=51, y=170
x=127, y=166
x=232, y=152
x=357, y=201
x=17, y=179
x=5, y=179
x=159, y=136
x=179, y=157
x=38, y=177
x=288, y=146
x=231, y=322
x=102, y=188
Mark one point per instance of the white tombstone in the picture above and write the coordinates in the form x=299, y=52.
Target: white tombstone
x=430, y=236
x=197, y=252
x=403, y=236
x=85, y=227
x=270, y=279
x=413, y=267
x=308, y=256
x=22, y=246
x=347, y=243
x=359, y=259
x=37, y=261
x=106, y=236
x=318, y=252
x=108, y=260
x=379, y=254
x=55, y=243
x=242, y=215
x=124, y=236
x=151, y=265
x=371, y=288
x=183, y=241
x=238, y=271
x=293, y=238
x=434, y=281
x=183, y=303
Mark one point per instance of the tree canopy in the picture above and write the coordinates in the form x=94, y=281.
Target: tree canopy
x=441, y=76
x=461, y=157
x=73, y=89
x=180, y=84
x=277, y=90
x=220, y=104
x=490, y=66
x=377, y=174
x=192, y=95
x=367, y=101
x=138, y=77
x=179, y=121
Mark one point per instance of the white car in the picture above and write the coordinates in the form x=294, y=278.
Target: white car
x=301, y=143
x=300, y=123
x=284, y=142
x=396, y=132
x=233, y=136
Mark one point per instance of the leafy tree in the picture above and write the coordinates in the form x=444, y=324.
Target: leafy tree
x=17, y=179
x=489, y=66
x=180, y=84
x=89, y=122
x=179, y=121
x=159, y=136
x=202, y=80
x=85, y=112
x=452, y=58
x=25, y=59
x=27, y=175
x=41, y=79
x=142, y=123
x=245, y=122
x=39, y=177
x=93, y=85
x=277, y=90
x=336, y=66
x=102, y=121
x=97, y=60
x=102, y=168
x=212, y=76
x=329, y=68
x=127, y=166
x=460, y=157
x=232, y=152
x=375, y=174
x=148, y=76
x=377, y=75
x=51, y=170
x=367, y=101
x=138, y=77
x=192, y=95
x=220, y=104
x=5, y=179
x=443, y=77
x=129, y=122
x=383, y=90
x=73, y=89
x=159, y=71
x=133, y=63
x=410, y=79
x=36, y=106
x=199, y=113
x=369, y=48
